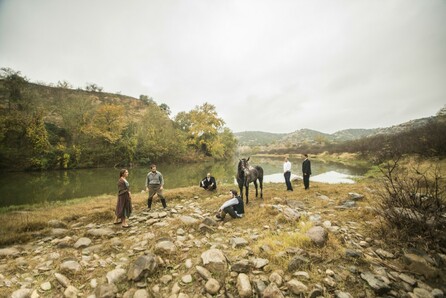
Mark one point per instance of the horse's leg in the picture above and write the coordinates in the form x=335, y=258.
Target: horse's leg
x=247, y=191
x=255, y=184
x=261, y=187
x=240, y=187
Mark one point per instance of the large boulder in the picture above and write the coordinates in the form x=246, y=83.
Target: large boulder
x=144, y=266
x=214, y=260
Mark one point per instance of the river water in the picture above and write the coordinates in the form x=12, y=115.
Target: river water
x=20, y=188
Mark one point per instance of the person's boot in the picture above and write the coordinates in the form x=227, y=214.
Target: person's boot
x=149, y=204
x=163, y=201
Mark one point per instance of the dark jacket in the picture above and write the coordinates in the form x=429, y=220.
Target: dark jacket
x=240, y=207
x=205, y=183
x=306, y=167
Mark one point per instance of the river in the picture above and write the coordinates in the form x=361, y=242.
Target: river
x=20, y=188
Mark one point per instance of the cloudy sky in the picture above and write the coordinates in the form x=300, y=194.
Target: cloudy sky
x=266, y=65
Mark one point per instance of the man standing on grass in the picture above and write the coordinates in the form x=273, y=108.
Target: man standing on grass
x=154, y=184
x=306, y=171
x=287, y=174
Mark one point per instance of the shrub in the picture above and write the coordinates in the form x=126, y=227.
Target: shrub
x=412, y=202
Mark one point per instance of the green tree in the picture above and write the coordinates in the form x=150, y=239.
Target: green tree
x=158, y=138
x=202, y=126
x=14, y=83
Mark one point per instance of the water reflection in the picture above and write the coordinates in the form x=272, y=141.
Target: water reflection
x=38, y=187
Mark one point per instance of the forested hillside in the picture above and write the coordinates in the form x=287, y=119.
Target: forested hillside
x=55, y=127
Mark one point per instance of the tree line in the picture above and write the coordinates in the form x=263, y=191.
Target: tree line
x=43, y=127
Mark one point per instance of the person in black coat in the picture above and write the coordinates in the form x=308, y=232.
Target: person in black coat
x=208, y=182
x=306, y=171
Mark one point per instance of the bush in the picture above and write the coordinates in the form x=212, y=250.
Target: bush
x=412, y=202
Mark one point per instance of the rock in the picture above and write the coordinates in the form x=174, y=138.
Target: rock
x=419, y=265
x=187, y=279
x=106, y=291
x=82, y=242
x=353, y=253
x=100, y=232
x=298, y=262
x=406, y=278
x=259, y=263
x=315, y=293
x=205, y=228
x=22, y=293
x=144, y=266
x=72, y=292
x=437, y=293
x=188, y=220
x=241, y=266
x=276, y=278
x=355, y=196
x=70, y=267
x=272, y=291
x=59, y=232
x=259, y=287
x=210, y=222
x=54, y=223
x=203, y=272
x=379, y=286
x=291, y=214
x=214, y=260
x=212, y=286
x=165, y=247
x=340, y=294
x=238, y=242
x=62, y=279
x=296, y=287
x=384, y=254
x=46, y=286
x=244, y=286
x=115, y=275
x=141, y=293
x=422, y=293
x=9, y=252
x=318, y=235
x=165, y=279
x=188, y=263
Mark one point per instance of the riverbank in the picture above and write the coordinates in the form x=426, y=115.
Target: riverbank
x=73, y=248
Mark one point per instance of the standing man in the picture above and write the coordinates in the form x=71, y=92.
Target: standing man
x=306, y=171
x=287, y=174
x=208, y=182
x=154, y=184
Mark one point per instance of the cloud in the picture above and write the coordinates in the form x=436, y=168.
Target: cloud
x=325, y=65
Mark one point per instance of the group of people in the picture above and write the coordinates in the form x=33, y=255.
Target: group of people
x=154, y=185
x=306, y=173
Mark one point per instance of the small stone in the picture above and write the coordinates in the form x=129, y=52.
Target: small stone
x=212, y=286
x=187, y=279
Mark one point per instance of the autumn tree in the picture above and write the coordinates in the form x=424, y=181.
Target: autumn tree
x=205, y=131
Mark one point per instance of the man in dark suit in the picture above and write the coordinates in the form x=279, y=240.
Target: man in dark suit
x=306, y=171
x=208, y=182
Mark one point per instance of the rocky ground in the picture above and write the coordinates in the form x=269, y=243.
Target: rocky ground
x=300, y=244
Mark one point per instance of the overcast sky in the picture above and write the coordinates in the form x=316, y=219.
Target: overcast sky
x=273, y=66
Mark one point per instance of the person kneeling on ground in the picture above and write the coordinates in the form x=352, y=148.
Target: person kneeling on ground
x=208, y=182
x=234, y=207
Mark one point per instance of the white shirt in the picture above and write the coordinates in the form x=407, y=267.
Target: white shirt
x=230, y=202
x=286, y=166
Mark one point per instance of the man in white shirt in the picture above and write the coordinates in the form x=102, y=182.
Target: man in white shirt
x=287, y=174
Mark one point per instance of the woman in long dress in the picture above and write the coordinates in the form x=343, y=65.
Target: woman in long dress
x=124, y=204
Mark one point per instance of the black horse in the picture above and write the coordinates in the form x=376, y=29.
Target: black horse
x=247, y=174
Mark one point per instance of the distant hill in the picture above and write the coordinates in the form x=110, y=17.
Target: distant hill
x=258, y=138
x=308, y=136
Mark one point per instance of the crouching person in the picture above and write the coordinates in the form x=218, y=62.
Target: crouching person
x=234, y=207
